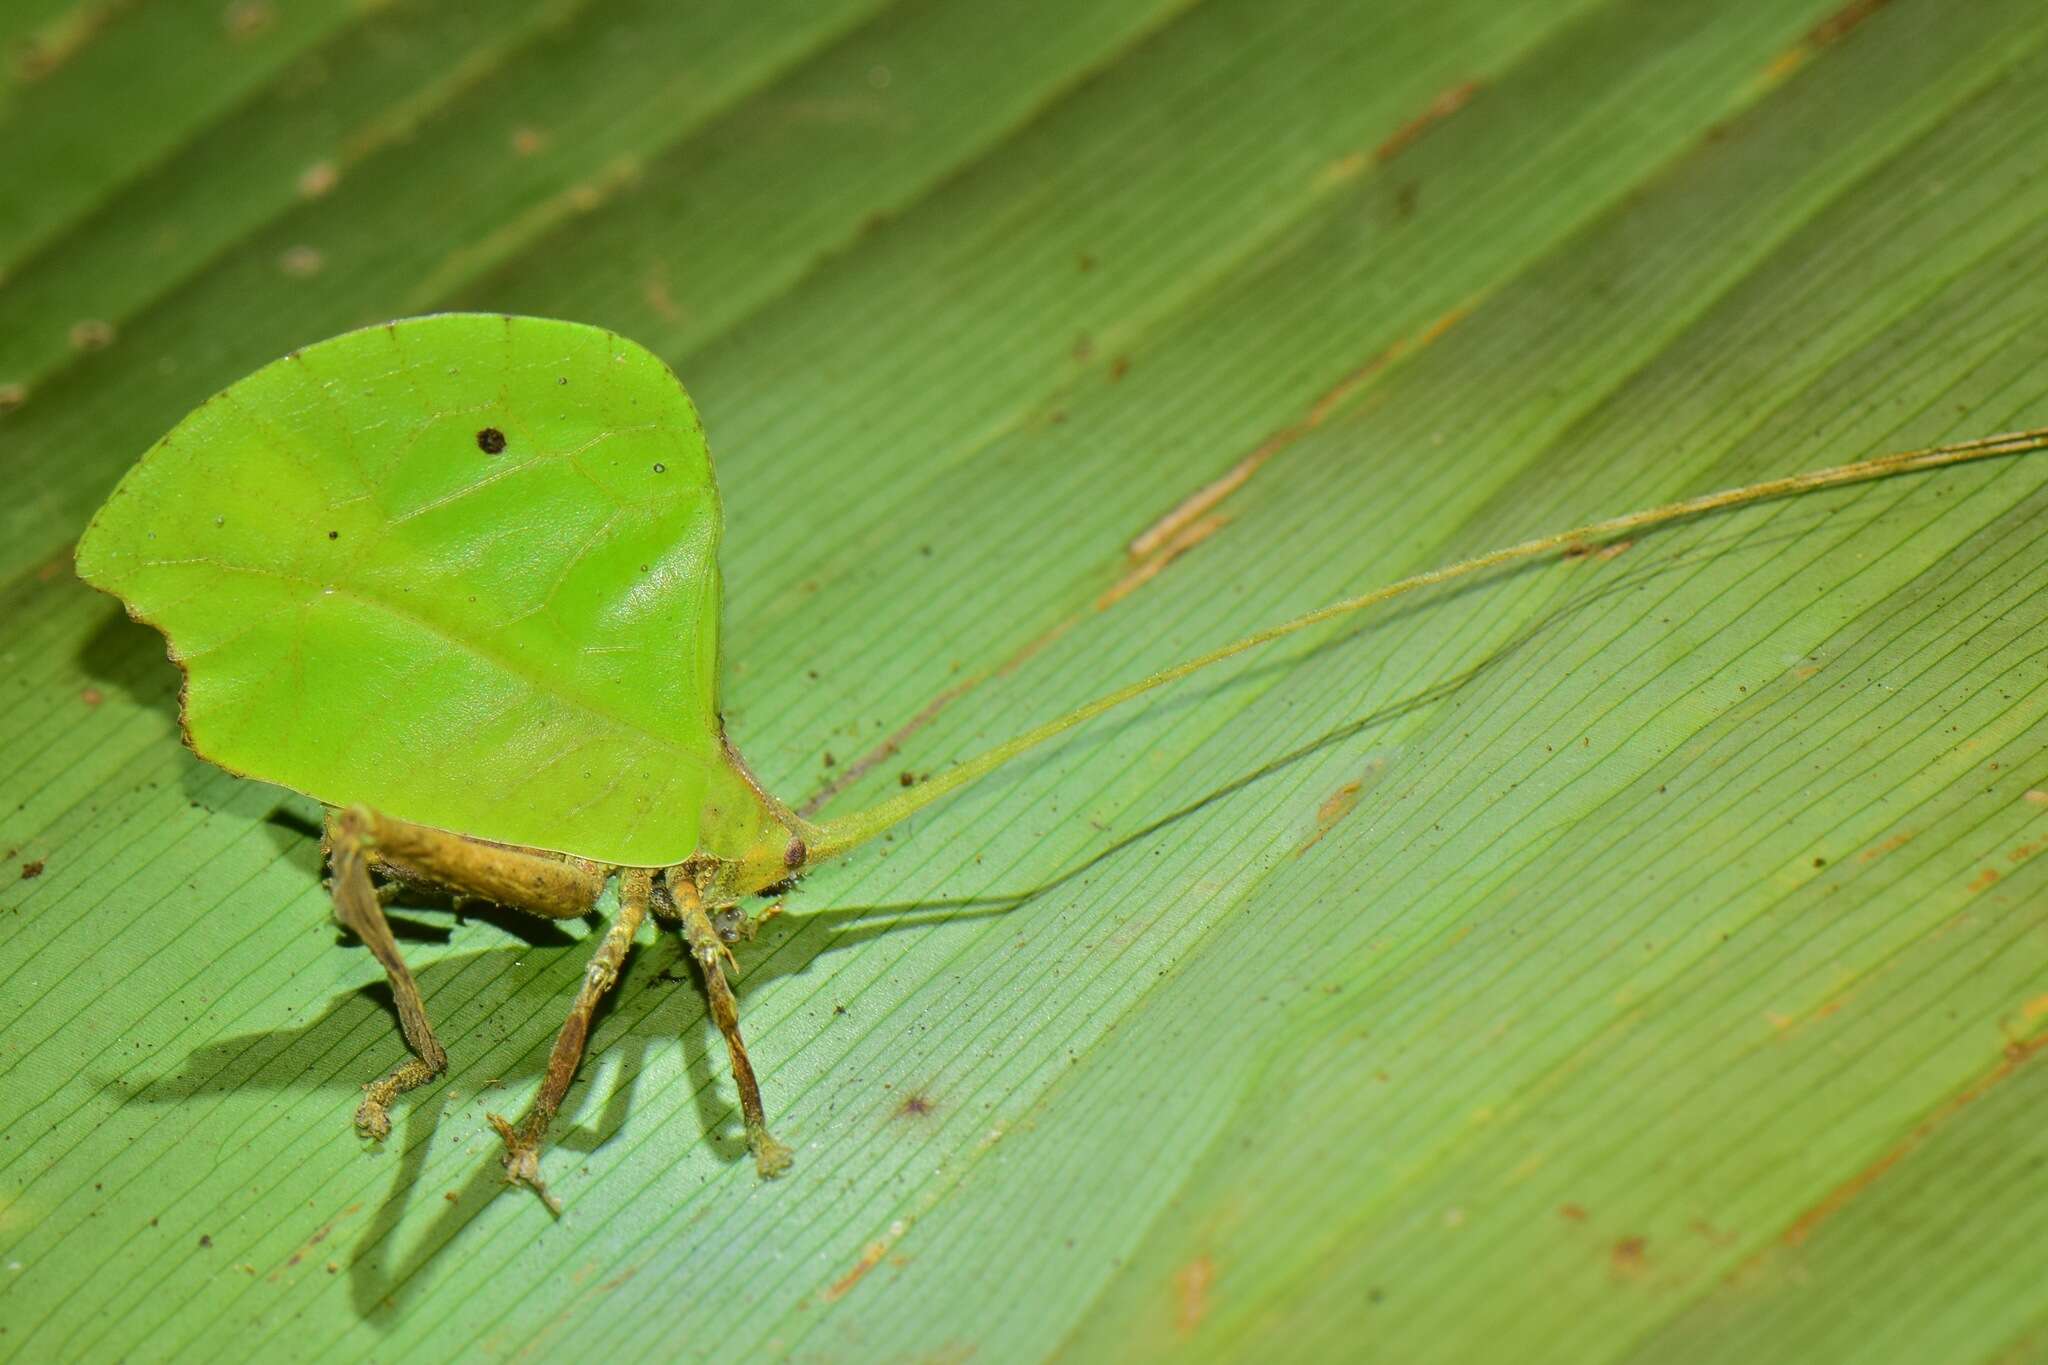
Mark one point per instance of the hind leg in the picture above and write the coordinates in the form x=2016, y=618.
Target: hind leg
x=361, y=911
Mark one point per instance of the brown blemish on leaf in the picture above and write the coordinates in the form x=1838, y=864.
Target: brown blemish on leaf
x=655, y=291
x=302, y=262
x=1191, y=1285
x=1619, y=547
x=1843, y=22
x=246, y=19
x=916, y=1106
x=1337, y=805
x=1180, y=530
x=1804, y=1226
x=30, y=871
x=490, y=441
x=12, y=396
x=521, y=227
x=1891, y=844
x=528, y=141
x=1345, y=168
x=318, y=179
x=866, y=763
x=1204, y=499
x=2037, y=797
x=1572, y=1213
x=1440, y=108
x=1984, y=880
x=62, y=38
x=1826, y=33
x=91, y=334
x=1188, y=538
x=870, y=1256
x=92, y=696
x=1630, y=1257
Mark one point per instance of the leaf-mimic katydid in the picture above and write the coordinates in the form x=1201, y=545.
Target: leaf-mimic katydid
x=456, y=577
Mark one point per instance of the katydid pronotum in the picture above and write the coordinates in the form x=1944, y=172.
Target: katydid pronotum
x=456, y=578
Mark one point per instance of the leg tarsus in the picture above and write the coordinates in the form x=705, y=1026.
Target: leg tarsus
x=522, y=1162
x=373, y=1115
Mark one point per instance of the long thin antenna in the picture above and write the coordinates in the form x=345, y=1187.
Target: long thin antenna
x=849, y=831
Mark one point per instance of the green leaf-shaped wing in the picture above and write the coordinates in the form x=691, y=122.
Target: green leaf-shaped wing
x=462, y=568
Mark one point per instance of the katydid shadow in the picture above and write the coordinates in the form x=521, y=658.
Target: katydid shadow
x=519, y=992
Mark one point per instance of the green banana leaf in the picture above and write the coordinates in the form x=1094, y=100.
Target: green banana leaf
x=1637, y=956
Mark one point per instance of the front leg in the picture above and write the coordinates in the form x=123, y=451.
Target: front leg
x=771, y=1158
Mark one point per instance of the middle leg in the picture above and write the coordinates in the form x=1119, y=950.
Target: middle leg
x=523, y=1143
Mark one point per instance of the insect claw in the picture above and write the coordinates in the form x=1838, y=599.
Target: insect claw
x=522, y=1163
x=373, y=1115
x=771, y=1158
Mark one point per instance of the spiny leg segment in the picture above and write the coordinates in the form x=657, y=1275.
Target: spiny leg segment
x=523, y=1143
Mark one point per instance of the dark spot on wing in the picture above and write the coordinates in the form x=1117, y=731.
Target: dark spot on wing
x=490, y=441
x=793, y=856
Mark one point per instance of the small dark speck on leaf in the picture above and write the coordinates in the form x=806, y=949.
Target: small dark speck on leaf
x=839, y=1009
x=563, y=380
x=490, y=441
x=906, y=778
x=661, y=469
x=334, y=535
x=204, y=1240
x=916, y=1106
x=29, y=871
